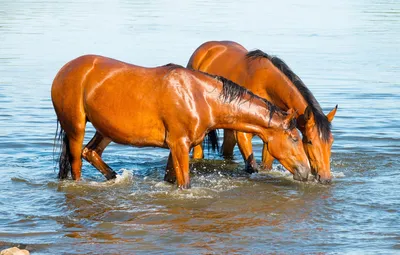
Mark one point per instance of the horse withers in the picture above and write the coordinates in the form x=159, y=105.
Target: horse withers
x=270, y=78
x=167, y=106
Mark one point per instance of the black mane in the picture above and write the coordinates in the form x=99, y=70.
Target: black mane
x=324, y=126
x=232, y=91
x=172, y=66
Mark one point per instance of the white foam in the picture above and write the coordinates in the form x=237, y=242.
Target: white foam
x=162, y=184
x=193, y=193
x=125, y=178
x=121, y=180
x=277, y=172
x=338, y=174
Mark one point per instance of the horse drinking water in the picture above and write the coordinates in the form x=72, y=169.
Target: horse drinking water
x=168, y=106
x=270, y=78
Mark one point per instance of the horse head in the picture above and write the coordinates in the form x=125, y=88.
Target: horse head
x=286, y=146
x=317, y=141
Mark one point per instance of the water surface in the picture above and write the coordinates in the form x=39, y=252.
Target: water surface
x=345, y=51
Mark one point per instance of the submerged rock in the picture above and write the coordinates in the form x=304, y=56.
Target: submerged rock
x=14, y=251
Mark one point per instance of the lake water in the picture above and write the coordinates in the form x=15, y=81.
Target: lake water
x=347, y=52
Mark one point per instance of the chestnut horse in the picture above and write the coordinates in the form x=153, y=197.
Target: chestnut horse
x=168, y=106
x=270, y=78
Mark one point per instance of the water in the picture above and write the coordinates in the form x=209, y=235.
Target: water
x=345, y=51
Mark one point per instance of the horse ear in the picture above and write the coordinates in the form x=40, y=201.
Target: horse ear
x=332, y=114
x=308, y=114
x=291, y=114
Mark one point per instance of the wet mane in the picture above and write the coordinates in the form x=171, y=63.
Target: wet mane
x=232, y=91
x=172, y=66
x=324, y=126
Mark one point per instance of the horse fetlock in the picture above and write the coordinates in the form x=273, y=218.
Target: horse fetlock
x=184, y=186
x=251, y=165
x=265, y=168
x=111, y=175
x=169, y=178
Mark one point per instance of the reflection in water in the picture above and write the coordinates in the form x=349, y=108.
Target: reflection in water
x=106, y=211
x=345, y=51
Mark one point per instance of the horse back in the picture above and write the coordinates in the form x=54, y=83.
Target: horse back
x=223, y=58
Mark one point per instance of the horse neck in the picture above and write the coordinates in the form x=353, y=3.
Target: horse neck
x=280, y=89
x=250, y=115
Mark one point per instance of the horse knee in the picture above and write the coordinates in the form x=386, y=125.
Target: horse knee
x=85, y=153
x=88, y=154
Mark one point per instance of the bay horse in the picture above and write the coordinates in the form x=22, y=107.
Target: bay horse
x=270, y=78
x=167, y=106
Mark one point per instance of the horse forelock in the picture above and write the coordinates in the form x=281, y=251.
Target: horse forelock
x=321, y=121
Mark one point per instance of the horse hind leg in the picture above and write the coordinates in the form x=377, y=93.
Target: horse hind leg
x=75, y=141
x=179, y=157
x=92, y=154
x=170, y=175
x=229, y=144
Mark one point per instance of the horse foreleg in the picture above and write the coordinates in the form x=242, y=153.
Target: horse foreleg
x=170, y=175
x=246, y=148
x=92, y=153
x=180, y=161
x=198, y=151
x=229, y=143
x=267, y=158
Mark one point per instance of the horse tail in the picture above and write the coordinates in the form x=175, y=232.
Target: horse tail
x=212, y=138
x=64, y=161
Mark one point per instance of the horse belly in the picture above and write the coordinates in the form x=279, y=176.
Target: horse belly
x=131, y=124
x=132, y=131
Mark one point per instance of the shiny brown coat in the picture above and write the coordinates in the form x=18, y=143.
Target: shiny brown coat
x=269, y=78
x=168, y=106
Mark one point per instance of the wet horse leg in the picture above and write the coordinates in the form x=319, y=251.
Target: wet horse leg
x=92, y=153
x=180, y=161
x=198, y=151
x=267, y=158
x=246, y=148
x=75, y=146
x=170, y=175
x=229, y=143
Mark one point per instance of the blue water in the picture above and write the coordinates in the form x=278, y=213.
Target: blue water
x=347, y=52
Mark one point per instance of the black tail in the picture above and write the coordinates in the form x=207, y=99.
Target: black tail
x=65, y=155
x=212, y=137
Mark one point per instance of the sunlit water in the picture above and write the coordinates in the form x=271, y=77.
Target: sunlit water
x=347, y=52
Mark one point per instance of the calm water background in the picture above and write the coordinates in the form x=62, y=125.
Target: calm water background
x=347, y=52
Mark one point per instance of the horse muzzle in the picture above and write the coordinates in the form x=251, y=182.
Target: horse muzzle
x=301, y=173
x=323, y=180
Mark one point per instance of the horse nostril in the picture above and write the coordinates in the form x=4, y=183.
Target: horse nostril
x=323, y=180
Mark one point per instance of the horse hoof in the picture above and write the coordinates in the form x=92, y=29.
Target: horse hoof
x=251, y=168
x=264, y=168
x=185, y=186
x=251, y=165
x=111, y=175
